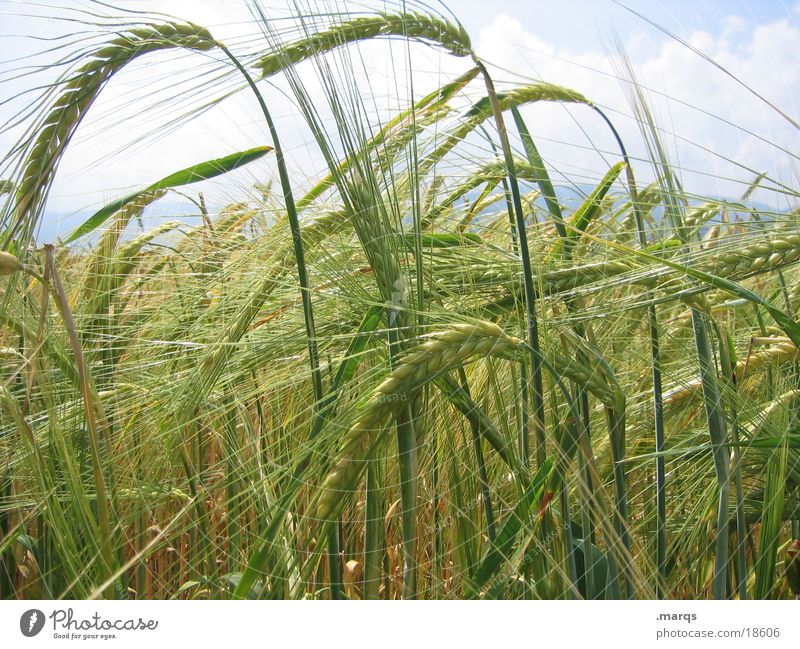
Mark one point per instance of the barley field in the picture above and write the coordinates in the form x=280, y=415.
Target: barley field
x=424, y=372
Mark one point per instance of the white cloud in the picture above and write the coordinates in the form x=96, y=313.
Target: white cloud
x=762, y=56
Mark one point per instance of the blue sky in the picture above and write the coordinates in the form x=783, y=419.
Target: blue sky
x=717, y=131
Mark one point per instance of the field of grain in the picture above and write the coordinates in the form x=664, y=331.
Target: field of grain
x=421, y=375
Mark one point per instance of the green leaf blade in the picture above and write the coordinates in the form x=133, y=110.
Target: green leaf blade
x=202, y=171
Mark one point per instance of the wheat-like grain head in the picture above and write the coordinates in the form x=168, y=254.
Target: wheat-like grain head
x=78, y=93
x=440, y=352
x=417, y=26
x=783, y=351
x=777, y=251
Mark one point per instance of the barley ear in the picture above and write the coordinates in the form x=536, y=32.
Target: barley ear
x=441, y=351
x=78, y=93
x=416, y=26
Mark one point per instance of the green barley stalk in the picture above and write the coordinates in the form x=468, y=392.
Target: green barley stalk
x=483, y=477
x=636, y=201
x=727, y=354
x=294, y=223
x=712, y=397
x=564, y=242
x=478, y=418
x=530, y=292
x=213, y=363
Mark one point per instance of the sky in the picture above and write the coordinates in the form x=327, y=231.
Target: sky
x=714, y=125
